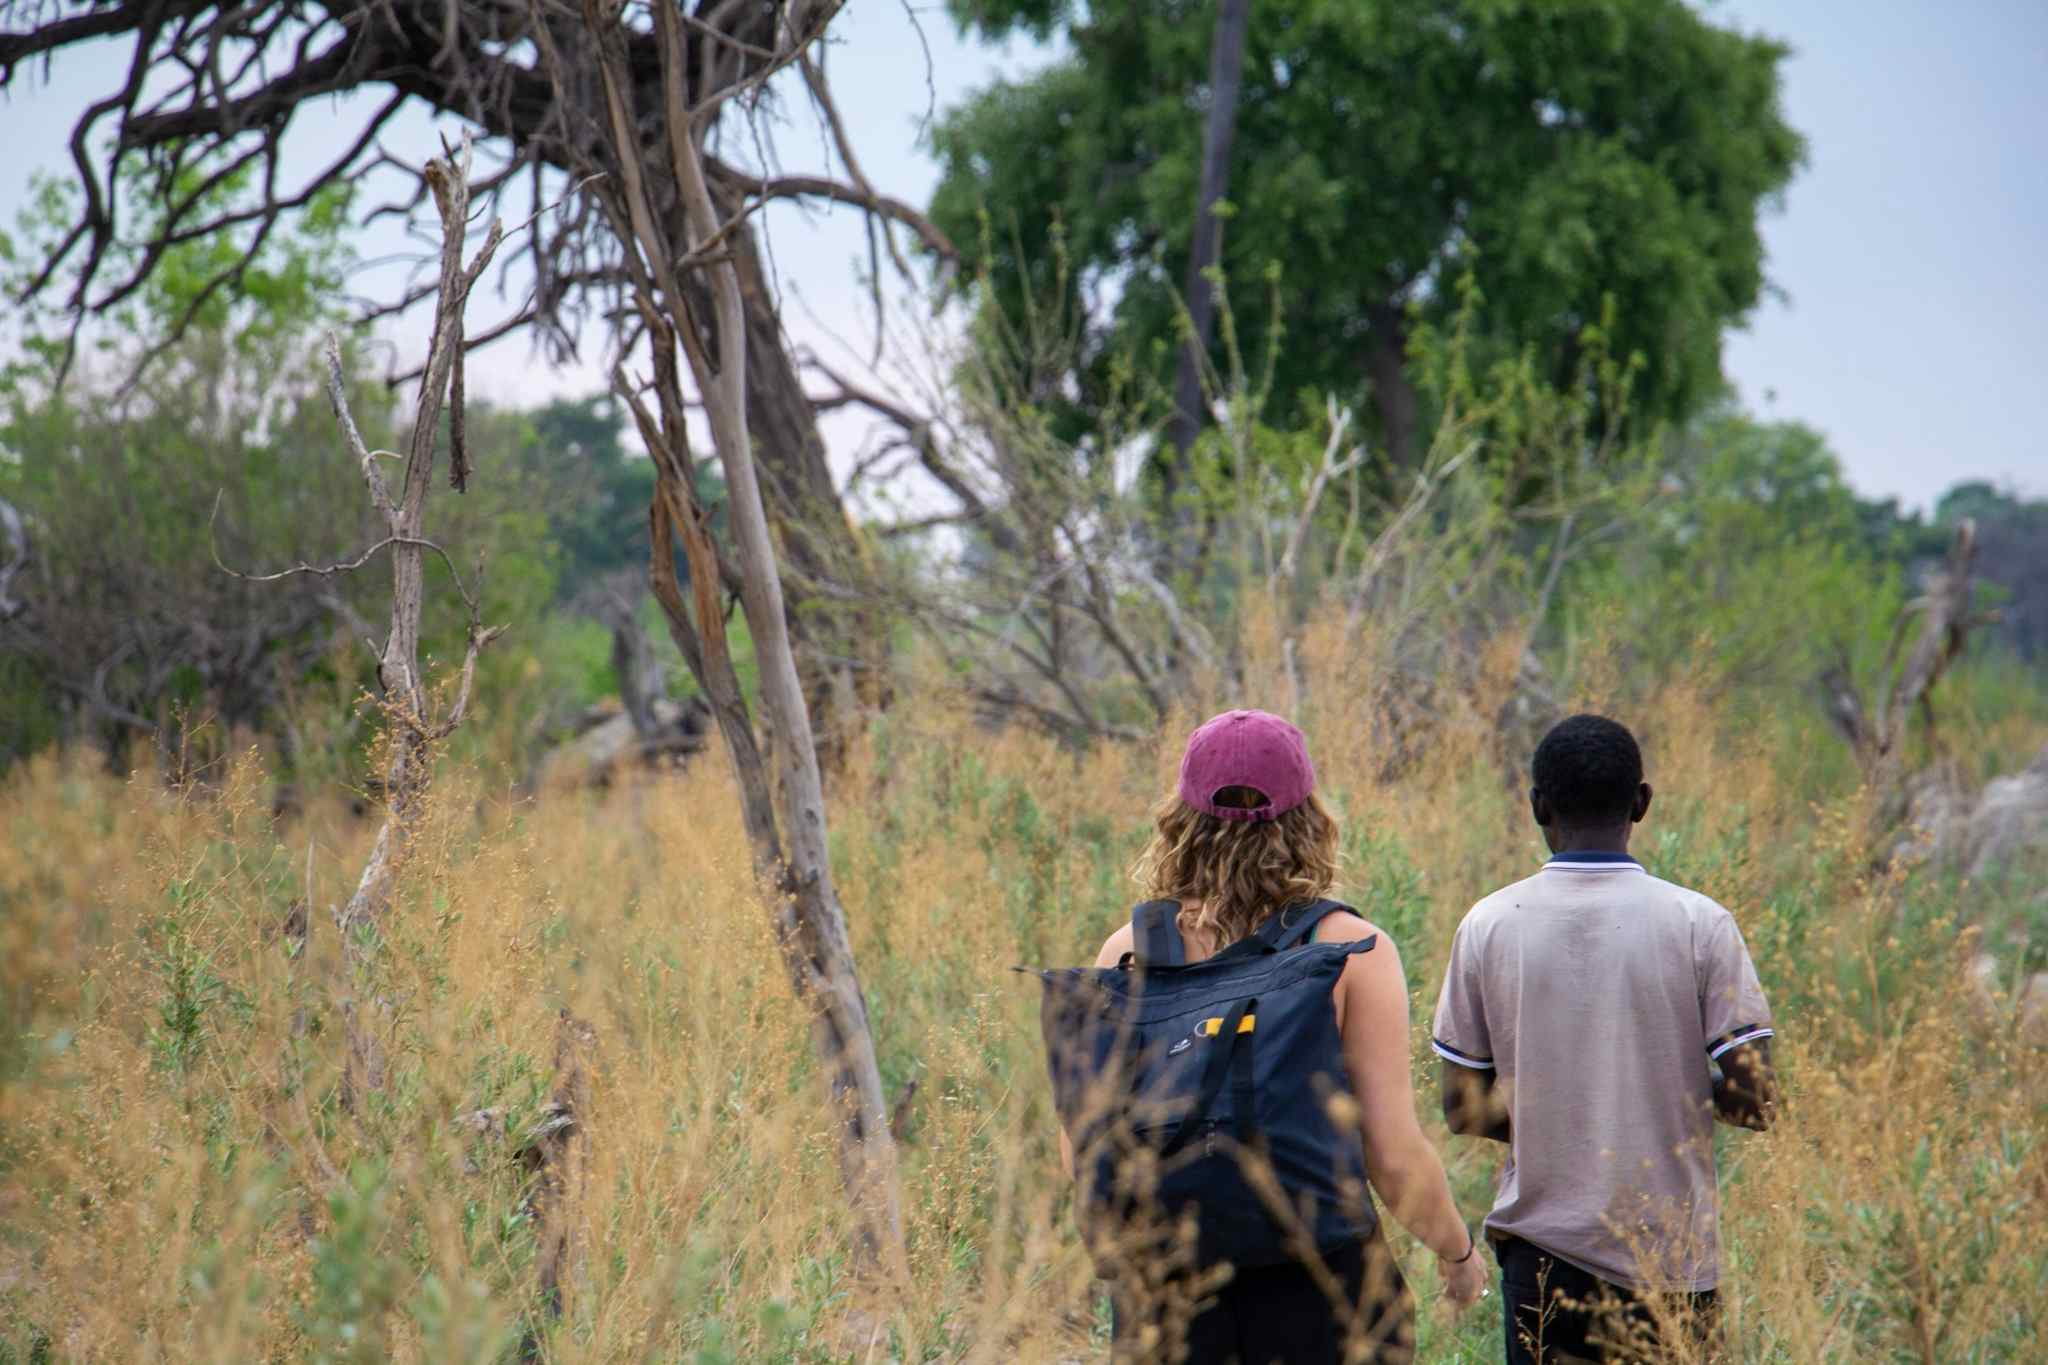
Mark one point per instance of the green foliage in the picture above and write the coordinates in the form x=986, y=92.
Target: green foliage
x=142, y=484
x=29, y=1345
x=1568, y=155
x=598, y=490
x=136, y=503
x=192, y=989
x=260, y=291
x=1749, y=561
x=355, y=1285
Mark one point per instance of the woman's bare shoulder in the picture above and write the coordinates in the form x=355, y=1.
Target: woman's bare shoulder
x=1115, y=946
x=1344, y=926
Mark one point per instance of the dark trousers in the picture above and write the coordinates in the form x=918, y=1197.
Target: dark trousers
x=1558, y=1314
x=1276, y=1314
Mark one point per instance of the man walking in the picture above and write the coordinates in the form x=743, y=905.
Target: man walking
x=1597, y=1020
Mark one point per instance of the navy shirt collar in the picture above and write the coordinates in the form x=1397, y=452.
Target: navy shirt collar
x=1593, y=859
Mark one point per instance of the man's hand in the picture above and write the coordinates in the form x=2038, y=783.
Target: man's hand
x=1747, y=1093
x=1473, y=1105
x=1466, y=1282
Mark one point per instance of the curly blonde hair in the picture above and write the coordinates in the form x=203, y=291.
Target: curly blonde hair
x=1236, y=873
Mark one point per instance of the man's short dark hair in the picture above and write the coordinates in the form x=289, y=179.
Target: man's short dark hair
x=1588, y=768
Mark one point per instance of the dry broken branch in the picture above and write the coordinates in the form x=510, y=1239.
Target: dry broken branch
x=16, y=531
x=206, y=95
x=414, y=730
x=1944, y=615
x=1327, y=472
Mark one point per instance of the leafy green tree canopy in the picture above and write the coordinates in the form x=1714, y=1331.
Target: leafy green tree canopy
x=1564, y=154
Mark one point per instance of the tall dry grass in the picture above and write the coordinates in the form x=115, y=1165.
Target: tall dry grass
x=178, y=1181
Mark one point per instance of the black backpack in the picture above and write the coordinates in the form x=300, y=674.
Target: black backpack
x=1203, y=1091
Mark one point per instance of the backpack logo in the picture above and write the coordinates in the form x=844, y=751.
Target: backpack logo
x=1182, y=1046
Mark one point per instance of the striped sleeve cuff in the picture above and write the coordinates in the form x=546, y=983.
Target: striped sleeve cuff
x=1451, y=1054
x=1736, y=1037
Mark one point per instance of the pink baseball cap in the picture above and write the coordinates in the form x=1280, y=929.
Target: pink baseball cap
x=1253, y=749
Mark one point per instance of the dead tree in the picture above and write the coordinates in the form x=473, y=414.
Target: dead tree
x=210, y=90
x=642, y=681
x=414, y=723
x=1047, y=604
x=557, y=1157
x=688, y=287
x=552, y=1151
x=16, y=531
x=662, y=242
x=1945, y=616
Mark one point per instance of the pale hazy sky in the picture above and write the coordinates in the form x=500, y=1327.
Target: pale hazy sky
x=1913, y=324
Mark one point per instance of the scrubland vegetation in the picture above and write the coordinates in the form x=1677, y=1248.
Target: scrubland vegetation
x=185, y=1175
x=1451, y=457
x=180, y=1183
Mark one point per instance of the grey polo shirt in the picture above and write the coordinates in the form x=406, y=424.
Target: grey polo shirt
x=1598, y=994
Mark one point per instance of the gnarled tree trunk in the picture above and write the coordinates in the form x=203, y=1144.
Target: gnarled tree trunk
x=681, y=262
x=837, y=629
x=475, y=62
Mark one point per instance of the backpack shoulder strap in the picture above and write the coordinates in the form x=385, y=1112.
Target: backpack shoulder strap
x=1296, y=923
x=1155, y=934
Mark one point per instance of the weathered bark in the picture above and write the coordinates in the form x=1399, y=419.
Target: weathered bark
x=641, y=678
x=558, y=1154
x=1386, y=365
x=1877, y=733
x=677, y=269
x=473, y=62
x=697, y=625
x=836, y=629
x=407, y=703
x=1226, y=68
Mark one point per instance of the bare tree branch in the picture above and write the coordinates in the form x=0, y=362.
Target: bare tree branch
x=819, y=187
x=414, y=731
x=16, y=532
x=691, y=297
x=1944, y=616
x=1329, y=470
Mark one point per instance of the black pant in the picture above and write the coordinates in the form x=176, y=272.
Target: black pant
x=1275, y=1314
x=1558, y=1314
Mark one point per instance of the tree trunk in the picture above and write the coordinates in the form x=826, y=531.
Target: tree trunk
x=835, y=628
x=1944, y=615
x=1226, y=68
x=407, y=699
x=813, y=919
x=641, y=678
x=1386, y=364
x=559, y=1161
x=678, y=269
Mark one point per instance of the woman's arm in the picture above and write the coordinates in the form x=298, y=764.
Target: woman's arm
x=1372, y=1016
x=1113, y=950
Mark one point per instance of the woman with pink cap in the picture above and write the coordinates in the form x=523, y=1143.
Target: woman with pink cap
x=1243, y=848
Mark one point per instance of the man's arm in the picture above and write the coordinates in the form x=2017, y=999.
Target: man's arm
x=1473, y=1106
x=1746, y=1095
x=1736, y=1020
